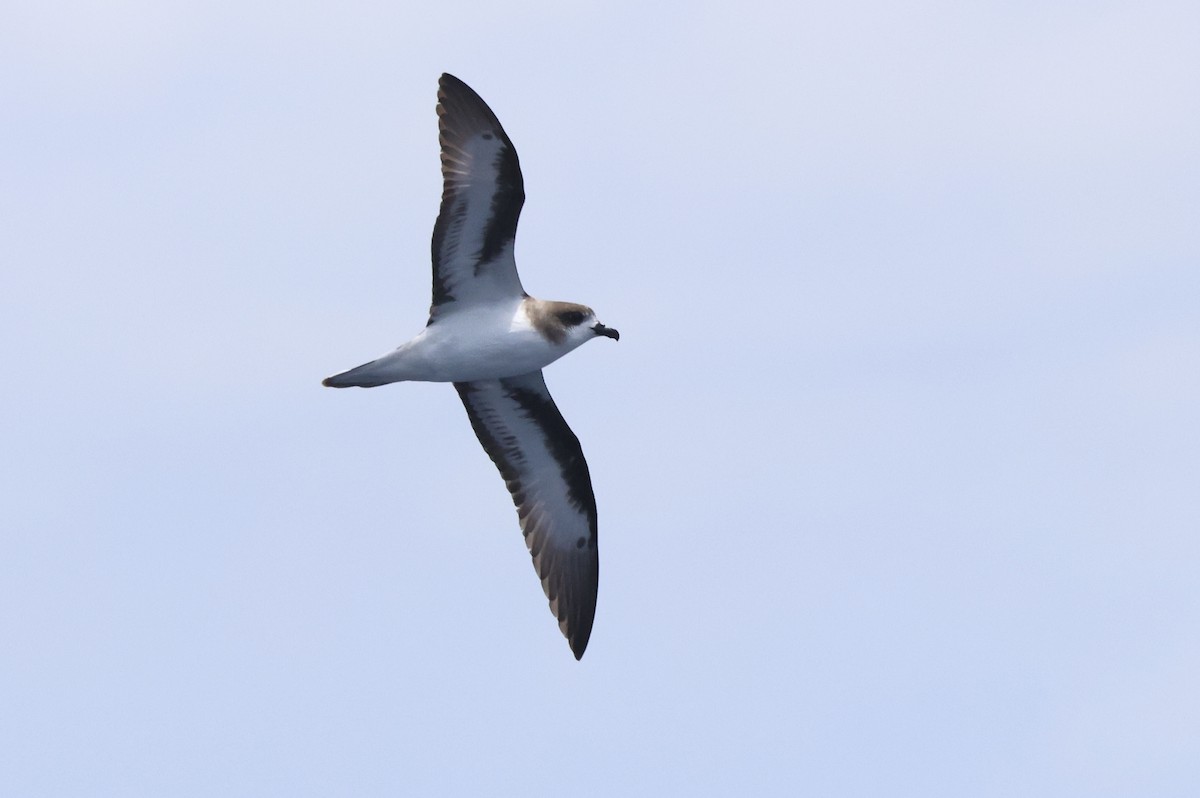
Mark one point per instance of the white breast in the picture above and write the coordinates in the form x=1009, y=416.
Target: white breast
x=482, y=343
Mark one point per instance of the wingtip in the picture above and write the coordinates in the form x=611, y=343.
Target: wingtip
x=447, y=81
x=579, y=644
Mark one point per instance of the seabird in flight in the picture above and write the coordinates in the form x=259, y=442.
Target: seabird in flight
x=492, y=340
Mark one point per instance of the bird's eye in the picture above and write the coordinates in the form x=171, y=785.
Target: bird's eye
x=571, y=318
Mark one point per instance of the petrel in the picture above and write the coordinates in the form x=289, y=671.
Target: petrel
x=492, y=340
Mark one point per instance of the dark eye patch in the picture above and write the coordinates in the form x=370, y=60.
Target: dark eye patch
x=571, y=318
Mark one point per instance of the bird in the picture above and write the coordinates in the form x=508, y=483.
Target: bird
x=491, y=339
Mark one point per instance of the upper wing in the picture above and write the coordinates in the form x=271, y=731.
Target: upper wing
x=482, y=195
x=542, y=464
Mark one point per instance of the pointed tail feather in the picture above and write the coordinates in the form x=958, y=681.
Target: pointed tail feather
x=365, y=376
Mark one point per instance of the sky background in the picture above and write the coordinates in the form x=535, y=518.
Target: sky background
x=897, y=460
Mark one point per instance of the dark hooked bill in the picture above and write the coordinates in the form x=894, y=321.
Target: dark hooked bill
x=607, y=332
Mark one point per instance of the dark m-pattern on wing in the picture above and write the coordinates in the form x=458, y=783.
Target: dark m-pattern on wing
x=506, y=203
x=543, y=466
x=448, y=220
x=563, y=445
x=482, y=195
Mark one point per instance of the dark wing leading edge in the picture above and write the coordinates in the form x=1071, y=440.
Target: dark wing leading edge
x=542, y=464
x=482, y=195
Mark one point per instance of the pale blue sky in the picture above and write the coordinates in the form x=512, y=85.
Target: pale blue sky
x=897, y=460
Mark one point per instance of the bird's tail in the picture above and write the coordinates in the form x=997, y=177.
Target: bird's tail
x=368, y=375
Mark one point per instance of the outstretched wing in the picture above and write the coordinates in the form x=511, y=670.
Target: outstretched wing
x=542, y=464
x=482, y=195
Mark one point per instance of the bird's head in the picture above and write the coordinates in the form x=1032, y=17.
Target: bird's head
x=578, y=323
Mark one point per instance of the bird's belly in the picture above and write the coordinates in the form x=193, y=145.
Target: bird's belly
x=457, y=360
